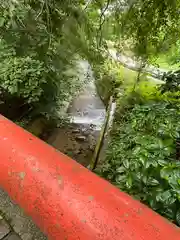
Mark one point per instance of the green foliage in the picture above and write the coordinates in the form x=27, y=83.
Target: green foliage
x=174, y=57
x=40, y=41
x=165, y=61
x=151, y=27
x=23, y=77
x=108, y=79
x=143, y=156
x=172, y=82
x=150, y=23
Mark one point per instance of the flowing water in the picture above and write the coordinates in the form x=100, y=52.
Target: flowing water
x=87, y=114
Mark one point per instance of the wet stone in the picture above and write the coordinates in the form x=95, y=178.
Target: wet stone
x=92, y=126
x=78, y=151
x=81, y=138
x=4, y=229
x=75, y=131
x=12, y=236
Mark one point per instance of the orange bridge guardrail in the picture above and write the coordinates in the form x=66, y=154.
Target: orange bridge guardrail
x=66, y=200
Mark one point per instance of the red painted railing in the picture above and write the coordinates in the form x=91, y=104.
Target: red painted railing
x=66, y=200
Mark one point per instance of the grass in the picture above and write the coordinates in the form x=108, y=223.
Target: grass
x=114, y=77
x=129, y=77
x=162, y=61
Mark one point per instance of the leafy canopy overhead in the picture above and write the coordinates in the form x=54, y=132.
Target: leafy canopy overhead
x=148, y=24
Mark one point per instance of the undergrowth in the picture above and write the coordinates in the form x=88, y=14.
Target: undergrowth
x=143, y=156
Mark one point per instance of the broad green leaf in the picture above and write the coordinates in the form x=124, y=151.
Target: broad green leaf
x=153, y=182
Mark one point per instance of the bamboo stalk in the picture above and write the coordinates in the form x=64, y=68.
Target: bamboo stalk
x=100, y=141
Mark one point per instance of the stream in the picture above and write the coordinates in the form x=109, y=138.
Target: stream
x=87, y=114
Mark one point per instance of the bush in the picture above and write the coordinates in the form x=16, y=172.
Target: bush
x=23, y=77
x=143, y=156
x=39, y=42
x=108, y=79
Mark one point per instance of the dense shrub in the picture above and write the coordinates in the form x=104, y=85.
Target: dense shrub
x=108, y=79
x=23, y=77
x=39, y=42
x=143, y=156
